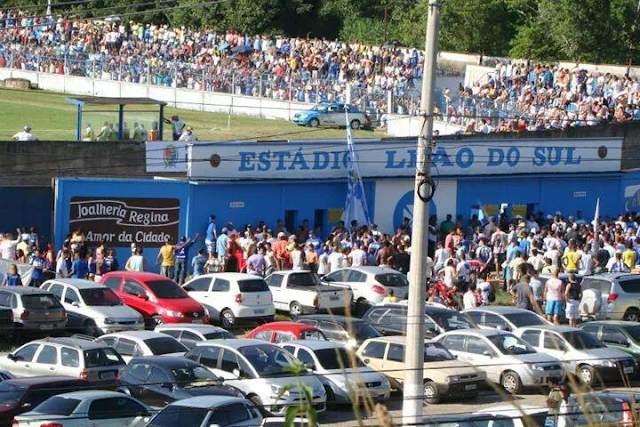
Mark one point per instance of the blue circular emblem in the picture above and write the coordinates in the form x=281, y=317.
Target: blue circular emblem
x=404, y=209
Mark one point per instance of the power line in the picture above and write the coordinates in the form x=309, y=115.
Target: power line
x=44, y=6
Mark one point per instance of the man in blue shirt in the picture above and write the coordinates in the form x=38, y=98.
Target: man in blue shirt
x=39, y=265
x=182, y=254
x=212, y=236
x=79, y=267
x=221, y=244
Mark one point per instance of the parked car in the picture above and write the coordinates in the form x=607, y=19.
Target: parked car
x=86, y=408
x=93, y=308
x=503, y=317
x=617, y=334
x=157, y=298
x=343, y=375
x=21, y=395
x=35, y=311
x=516, y=415
x=7, y=326
x=207, y=411
x=391, y=319
x=369, y=284
x=603, y=408
x=189, y=334
x=277, y=332
x=505, y=358
x=581, y=353
x=331, y=115
x=160, y=380
x=260, y=370
x=613, y=296
x=92, y=361
x=130, y=344
x=233, y=297
x=301, y=292
x=444, y=376
x=475, y=420
x=351, y=331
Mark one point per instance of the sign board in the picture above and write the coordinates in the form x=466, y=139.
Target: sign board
x=166, y=156
x=147, y=222
x=397, y=158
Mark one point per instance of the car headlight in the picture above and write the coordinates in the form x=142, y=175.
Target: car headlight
x=535, y=367
x=276, y=391
x=452, y=378
x=172, y=313
x=108, y=321
x=605, y=363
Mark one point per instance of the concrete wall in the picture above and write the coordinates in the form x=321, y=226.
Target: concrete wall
x=180, y=98
x=402, y=126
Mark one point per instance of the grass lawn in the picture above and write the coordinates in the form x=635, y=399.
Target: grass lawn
x=52, y=118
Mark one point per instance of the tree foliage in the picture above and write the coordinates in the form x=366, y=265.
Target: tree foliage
x=605, y=31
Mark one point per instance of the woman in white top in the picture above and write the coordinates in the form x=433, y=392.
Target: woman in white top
x=449, y=273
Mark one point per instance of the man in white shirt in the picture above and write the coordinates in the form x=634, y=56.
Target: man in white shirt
x=25, y=135
x=358, y=257
x=336, y=260
x=8, y=246
x=469, y=298
x=62, y=270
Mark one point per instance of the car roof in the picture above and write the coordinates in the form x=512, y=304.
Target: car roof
x=139, y=275
x=483, y=332
x=204, y=328
x=235, y=343
x=78, y=343
x=91, y=394
x=621, y=323
x=391, y=338
x=231, y=276
x=24, y=290
x=53, y=379
x=332, y=318
x=372, y=269
x=168, y=362
x=206, y=402
x=428, y=308
x=316, y=344
x=555, y=328
x=140, y=335
x=78, y=283
x=612, y=275
x=284, y=326
x=499, y=309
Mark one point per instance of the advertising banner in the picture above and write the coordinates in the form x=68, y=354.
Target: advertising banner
x=119, y=222
x=166, y=156
x=397, y=158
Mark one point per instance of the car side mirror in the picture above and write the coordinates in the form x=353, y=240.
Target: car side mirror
x=367, y=360
x=10, y=356
x=187, y=288
x=26, y=405
x=76, y=304
x=214, y=425
x=168, y=386
x=309, y=367
x=236, y=372
x=144, y=297
x=488, y=353
x=327, y=279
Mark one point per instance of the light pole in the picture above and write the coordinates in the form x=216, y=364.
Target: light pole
x=413, y=395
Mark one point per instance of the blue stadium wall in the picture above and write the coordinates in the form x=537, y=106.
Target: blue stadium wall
x=27, y=207
x=320, y=201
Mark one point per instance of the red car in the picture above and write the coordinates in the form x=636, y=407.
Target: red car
x=158, y=298
x=277, y=332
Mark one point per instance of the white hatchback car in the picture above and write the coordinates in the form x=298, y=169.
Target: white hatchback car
x=189, y=334
x=369, y=284
x=132, y=344
x=506, y=359
x=233, y=297
x=87, y=408
x=93, y=308
x=258, y=369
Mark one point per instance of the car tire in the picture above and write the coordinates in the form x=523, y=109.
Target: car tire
x=587, y=375
x=256, y=401
x=156, y=320
x=511, y=382
x=314, y=123
x=355, y=124
x=227, y=318
x=632, y=315
x=431, y=394
x=91, y=329
x=295, y=310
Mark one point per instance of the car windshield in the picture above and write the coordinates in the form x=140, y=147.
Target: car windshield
x=176, y=415
x=436, y=352
x=99, y=357
x=337, y=358
x=392, y=279
x=57, y=405
x=192, y=374
x=303, y=279
x=10, y=394
x=164, y=345
x=40, y=302
x=167, y=289
x=633, y=331
x=218, y=335
x=320, y=107
x=100, y=297
x=581, y=340
x=362, y=330
x=450, y=320
x=268, y=360
x=253, y=285
x=524, y=319
x=510, y=344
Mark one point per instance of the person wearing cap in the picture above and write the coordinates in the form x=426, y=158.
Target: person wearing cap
x=182, y=255
x=313, y=241
x=188, y=135
x=25, y=135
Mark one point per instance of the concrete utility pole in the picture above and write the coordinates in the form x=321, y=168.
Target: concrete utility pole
x=414, y=357
x=48, y=7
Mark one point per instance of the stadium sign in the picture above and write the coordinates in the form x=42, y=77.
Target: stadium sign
x=397, y=158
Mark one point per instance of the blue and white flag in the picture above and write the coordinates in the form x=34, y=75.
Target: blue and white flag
x=356, y=204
